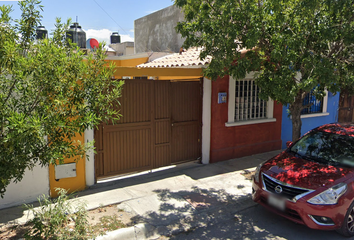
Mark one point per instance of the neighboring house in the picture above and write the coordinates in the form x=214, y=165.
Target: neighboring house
x=156, y=31
x=322, y=111
x=35, y=182
x=120, y=49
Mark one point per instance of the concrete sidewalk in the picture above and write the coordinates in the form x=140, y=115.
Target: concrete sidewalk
x=171, y=201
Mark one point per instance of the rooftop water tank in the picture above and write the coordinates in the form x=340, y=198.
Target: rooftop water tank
x=41, y=32
x=77, y=35
x=115, y=38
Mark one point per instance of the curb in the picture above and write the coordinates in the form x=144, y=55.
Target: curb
x=139, y=231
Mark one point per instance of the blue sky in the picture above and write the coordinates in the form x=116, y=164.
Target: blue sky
x=95, y=16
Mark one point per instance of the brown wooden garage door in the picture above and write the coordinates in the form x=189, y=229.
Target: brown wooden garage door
x=161, y=125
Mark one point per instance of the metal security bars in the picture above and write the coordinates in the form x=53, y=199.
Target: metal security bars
x=314, y=105
x=248, y=105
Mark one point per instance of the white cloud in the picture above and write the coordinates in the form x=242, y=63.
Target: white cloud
x=105, y=35
x=149, y=12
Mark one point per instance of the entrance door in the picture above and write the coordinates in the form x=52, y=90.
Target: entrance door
x=346, y=107
x=185, y=121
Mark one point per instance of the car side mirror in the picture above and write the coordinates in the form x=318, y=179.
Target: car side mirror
x=288, y=143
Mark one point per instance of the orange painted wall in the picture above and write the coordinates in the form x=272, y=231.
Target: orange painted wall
x=132, y=62
x=238, y=141
x=72, y=184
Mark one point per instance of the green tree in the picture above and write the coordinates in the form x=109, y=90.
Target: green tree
x=295, y=45
x=49, y=91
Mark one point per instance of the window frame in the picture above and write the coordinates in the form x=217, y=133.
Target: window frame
x=324, y=108
x=231, y=106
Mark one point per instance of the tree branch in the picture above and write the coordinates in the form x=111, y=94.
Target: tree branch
x=10, y=92
x=211, y=6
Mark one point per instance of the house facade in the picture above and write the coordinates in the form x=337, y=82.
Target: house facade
x=253, y=128
x=235, y=121
x=171, y=114
x=245, y=124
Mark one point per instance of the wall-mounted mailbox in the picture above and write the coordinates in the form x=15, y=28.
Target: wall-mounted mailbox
x=65, y=170
x=222, y=97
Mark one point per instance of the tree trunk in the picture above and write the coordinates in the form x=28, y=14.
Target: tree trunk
x=295, y=110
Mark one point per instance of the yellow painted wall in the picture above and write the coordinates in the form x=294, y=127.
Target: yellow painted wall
x=129, y=62
x=71, y=184
x=160, y=73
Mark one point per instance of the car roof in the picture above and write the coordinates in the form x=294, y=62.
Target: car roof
x=337, y=128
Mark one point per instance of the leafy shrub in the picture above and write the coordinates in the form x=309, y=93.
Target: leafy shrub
x=59, y=218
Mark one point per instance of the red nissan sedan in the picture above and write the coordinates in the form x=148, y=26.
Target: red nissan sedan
x=312, y=181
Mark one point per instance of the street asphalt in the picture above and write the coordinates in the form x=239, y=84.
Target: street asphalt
x=173, y=200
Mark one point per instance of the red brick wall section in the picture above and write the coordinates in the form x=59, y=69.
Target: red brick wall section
x=238, y=141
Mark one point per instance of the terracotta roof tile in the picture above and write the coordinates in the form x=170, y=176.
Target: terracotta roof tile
x=187, y=58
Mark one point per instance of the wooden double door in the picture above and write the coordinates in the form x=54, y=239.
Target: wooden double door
x=160, y=126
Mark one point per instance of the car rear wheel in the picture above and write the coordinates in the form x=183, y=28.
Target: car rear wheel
x=347, y=228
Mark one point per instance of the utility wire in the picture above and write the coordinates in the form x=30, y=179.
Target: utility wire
x=110, y=17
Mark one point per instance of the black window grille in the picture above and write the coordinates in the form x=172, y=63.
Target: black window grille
x=314, y=105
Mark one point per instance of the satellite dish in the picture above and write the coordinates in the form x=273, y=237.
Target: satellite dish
x=92, y=43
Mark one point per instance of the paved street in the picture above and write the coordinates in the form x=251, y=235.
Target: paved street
x=257, y=223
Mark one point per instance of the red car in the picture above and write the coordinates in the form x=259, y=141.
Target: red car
x=312, y=181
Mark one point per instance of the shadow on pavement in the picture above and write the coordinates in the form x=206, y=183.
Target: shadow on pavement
x=220, y=215
x=194, y=170
x=184, y=211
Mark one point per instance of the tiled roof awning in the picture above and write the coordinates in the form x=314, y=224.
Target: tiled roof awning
x=186, y=58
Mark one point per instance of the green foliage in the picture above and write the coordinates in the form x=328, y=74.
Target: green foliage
x=295, y=45
x=59, y=218
x=108, y=223
x=49, y=91
x=66, y=218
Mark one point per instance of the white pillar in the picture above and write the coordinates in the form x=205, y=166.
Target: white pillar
x=206, y=121
x=90, y=160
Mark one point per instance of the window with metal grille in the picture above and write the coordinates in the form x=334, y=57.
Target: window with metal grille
x=314, y=105
x=248, y=105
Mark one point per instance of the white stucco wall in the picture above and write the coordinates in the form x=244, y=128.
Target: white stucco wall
x=33, y=184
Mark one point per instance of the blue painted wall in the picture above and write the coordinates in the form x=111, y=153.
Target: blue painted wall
x=311, y=122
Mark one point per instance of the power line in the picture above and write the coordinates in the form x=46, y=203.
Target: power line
x=110, y=17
